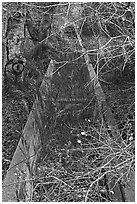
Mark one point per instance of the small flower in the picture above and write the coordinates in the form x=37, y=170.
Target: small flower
x=39, y=169
x=130, y=125
x=83, y=133
x=109, y=127
x=69, y=143
x=130, y=138
x=68, y=151
x=112, y=192
x=103, y=190
x=79, y=196
x=79, y=141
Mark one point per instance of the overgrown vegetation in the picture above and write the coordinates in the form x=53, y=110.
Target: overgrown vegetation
x=79, y=160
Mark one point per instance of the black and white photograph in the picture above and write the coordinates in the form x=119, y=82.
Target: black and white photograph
x=68, y=101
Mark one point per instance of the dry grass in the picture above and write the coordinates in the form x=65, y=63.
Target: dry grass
x=82, y=173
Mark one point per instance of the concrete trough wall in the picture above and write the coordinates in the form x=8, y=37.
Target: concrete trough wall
x=18, y=163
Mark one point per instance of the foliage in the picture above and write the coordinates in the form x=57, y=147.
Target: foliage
x=79, y=161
